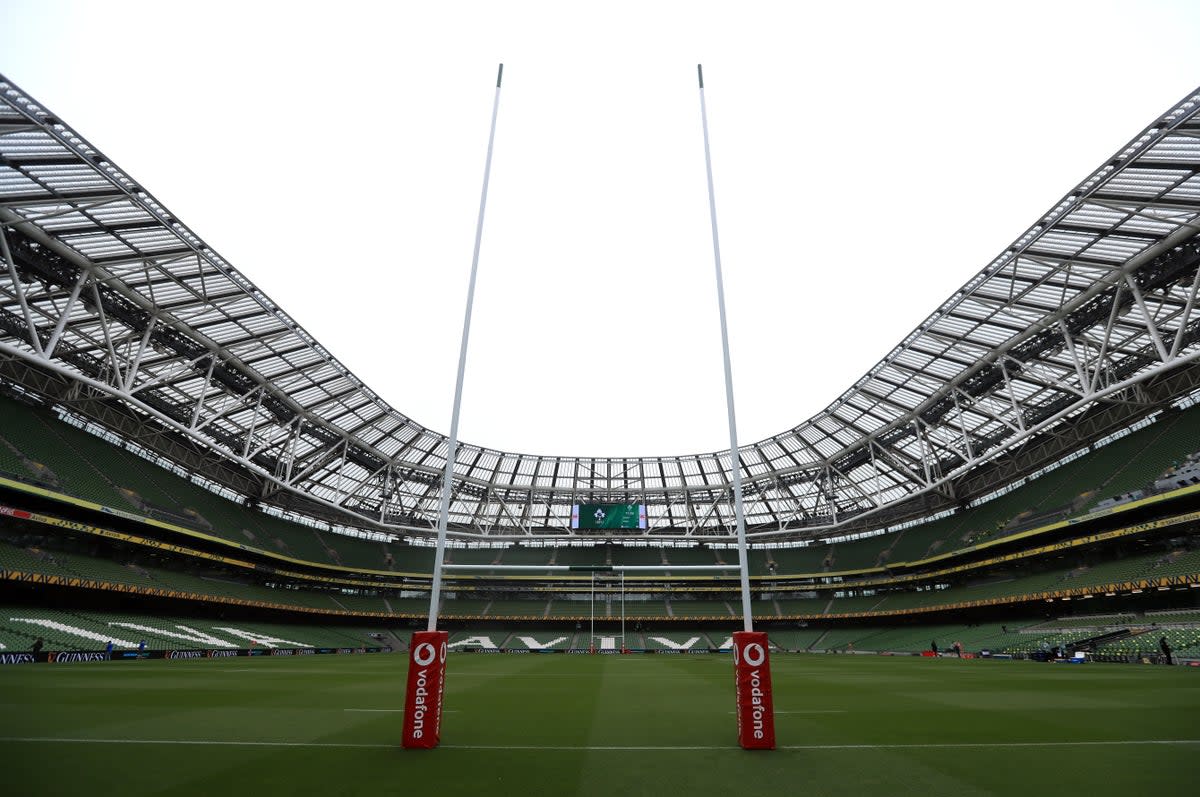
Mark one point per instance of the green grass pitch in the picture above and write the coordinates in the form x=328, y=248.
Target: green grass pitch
x=599, y=725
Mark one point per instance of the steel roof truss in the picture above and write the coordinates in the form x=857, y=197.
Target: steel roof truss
x=1148, y=317
x=1106, y=339
x=65, y=314
x=1185, y=316
x=19, y=290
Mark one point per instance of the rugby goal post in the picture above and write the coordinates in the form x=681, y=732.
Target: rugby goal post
x=428, y=649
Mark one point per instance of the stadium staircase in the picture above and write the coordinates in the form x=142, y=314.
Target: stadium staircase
x=1090, y=644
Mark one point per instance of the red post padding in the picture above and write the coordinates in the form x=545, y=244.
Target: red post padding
x=752, y=674
x=426, y=680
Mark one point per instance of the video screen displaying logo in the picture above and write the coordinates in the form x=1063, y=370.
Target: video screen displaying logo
x=608, y=516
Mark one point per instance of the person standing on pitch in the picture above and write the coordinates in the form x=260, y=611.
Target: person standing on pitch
x=1166, y=648
x=933, y=647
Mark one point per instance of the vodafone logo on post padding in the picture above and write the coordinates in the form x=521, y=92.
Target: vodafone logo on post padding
x=426, y=682
x=754, y=655
x=424, y=654
x=752, y=676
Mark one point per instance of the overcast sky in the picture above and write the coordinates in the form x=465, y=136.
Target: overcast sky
x=868, y=158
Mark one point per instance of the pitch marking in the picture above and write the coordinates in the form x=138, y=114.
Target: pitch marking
x=809, y=711
x=395, y=710
x=601, y=748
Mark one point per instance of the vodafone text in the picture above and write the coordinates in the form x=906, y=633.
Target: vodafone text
x=758, y=711
x=420, y=705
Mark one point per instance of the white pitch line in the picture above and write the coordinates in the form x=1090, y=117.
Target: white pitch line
x=602, y=748
x=275, y=672
x=930, y=745
x=587, y=748
x=810, y=711
x=954, y=745
x=395, y=710
x=198, y=742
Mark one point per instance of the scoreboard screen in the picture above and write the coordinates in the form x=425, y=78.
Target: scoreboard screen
x=608, y=516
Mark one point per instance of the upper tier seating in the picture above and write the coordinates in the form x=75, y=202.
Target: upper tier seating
x=35, y=442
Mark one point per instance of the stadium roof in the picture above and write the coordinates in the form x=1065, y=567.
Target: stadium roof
x=1090, y=308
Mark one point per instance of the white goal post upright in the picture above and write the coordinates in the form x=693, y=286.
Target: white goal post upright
x=735, y=465
x=427, y=649
x=623, y=647
x=439, y=556
x=752, y=672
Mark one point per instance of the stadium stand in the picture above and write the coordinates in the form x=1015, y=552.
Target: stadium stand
x=795, y=639
x=1147, y=452
x=474, y=556
x=628, y=555
x=523, y=555
x=39, y=448
x=523, y=608
x=1174, y=617
x=918, y=542
x=1095, y=623
x=801, y=606
x=839, y=639
x=584, y=556
x=859, y=603
x=63, y=452
x=1152, y=451
x=703, y=608
x=856, y=555
x=641, y=608
x=698, y=555
x=89, y=630
x=408, y=605
x=465, y=608
x=810, y=559
x=981, y=436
